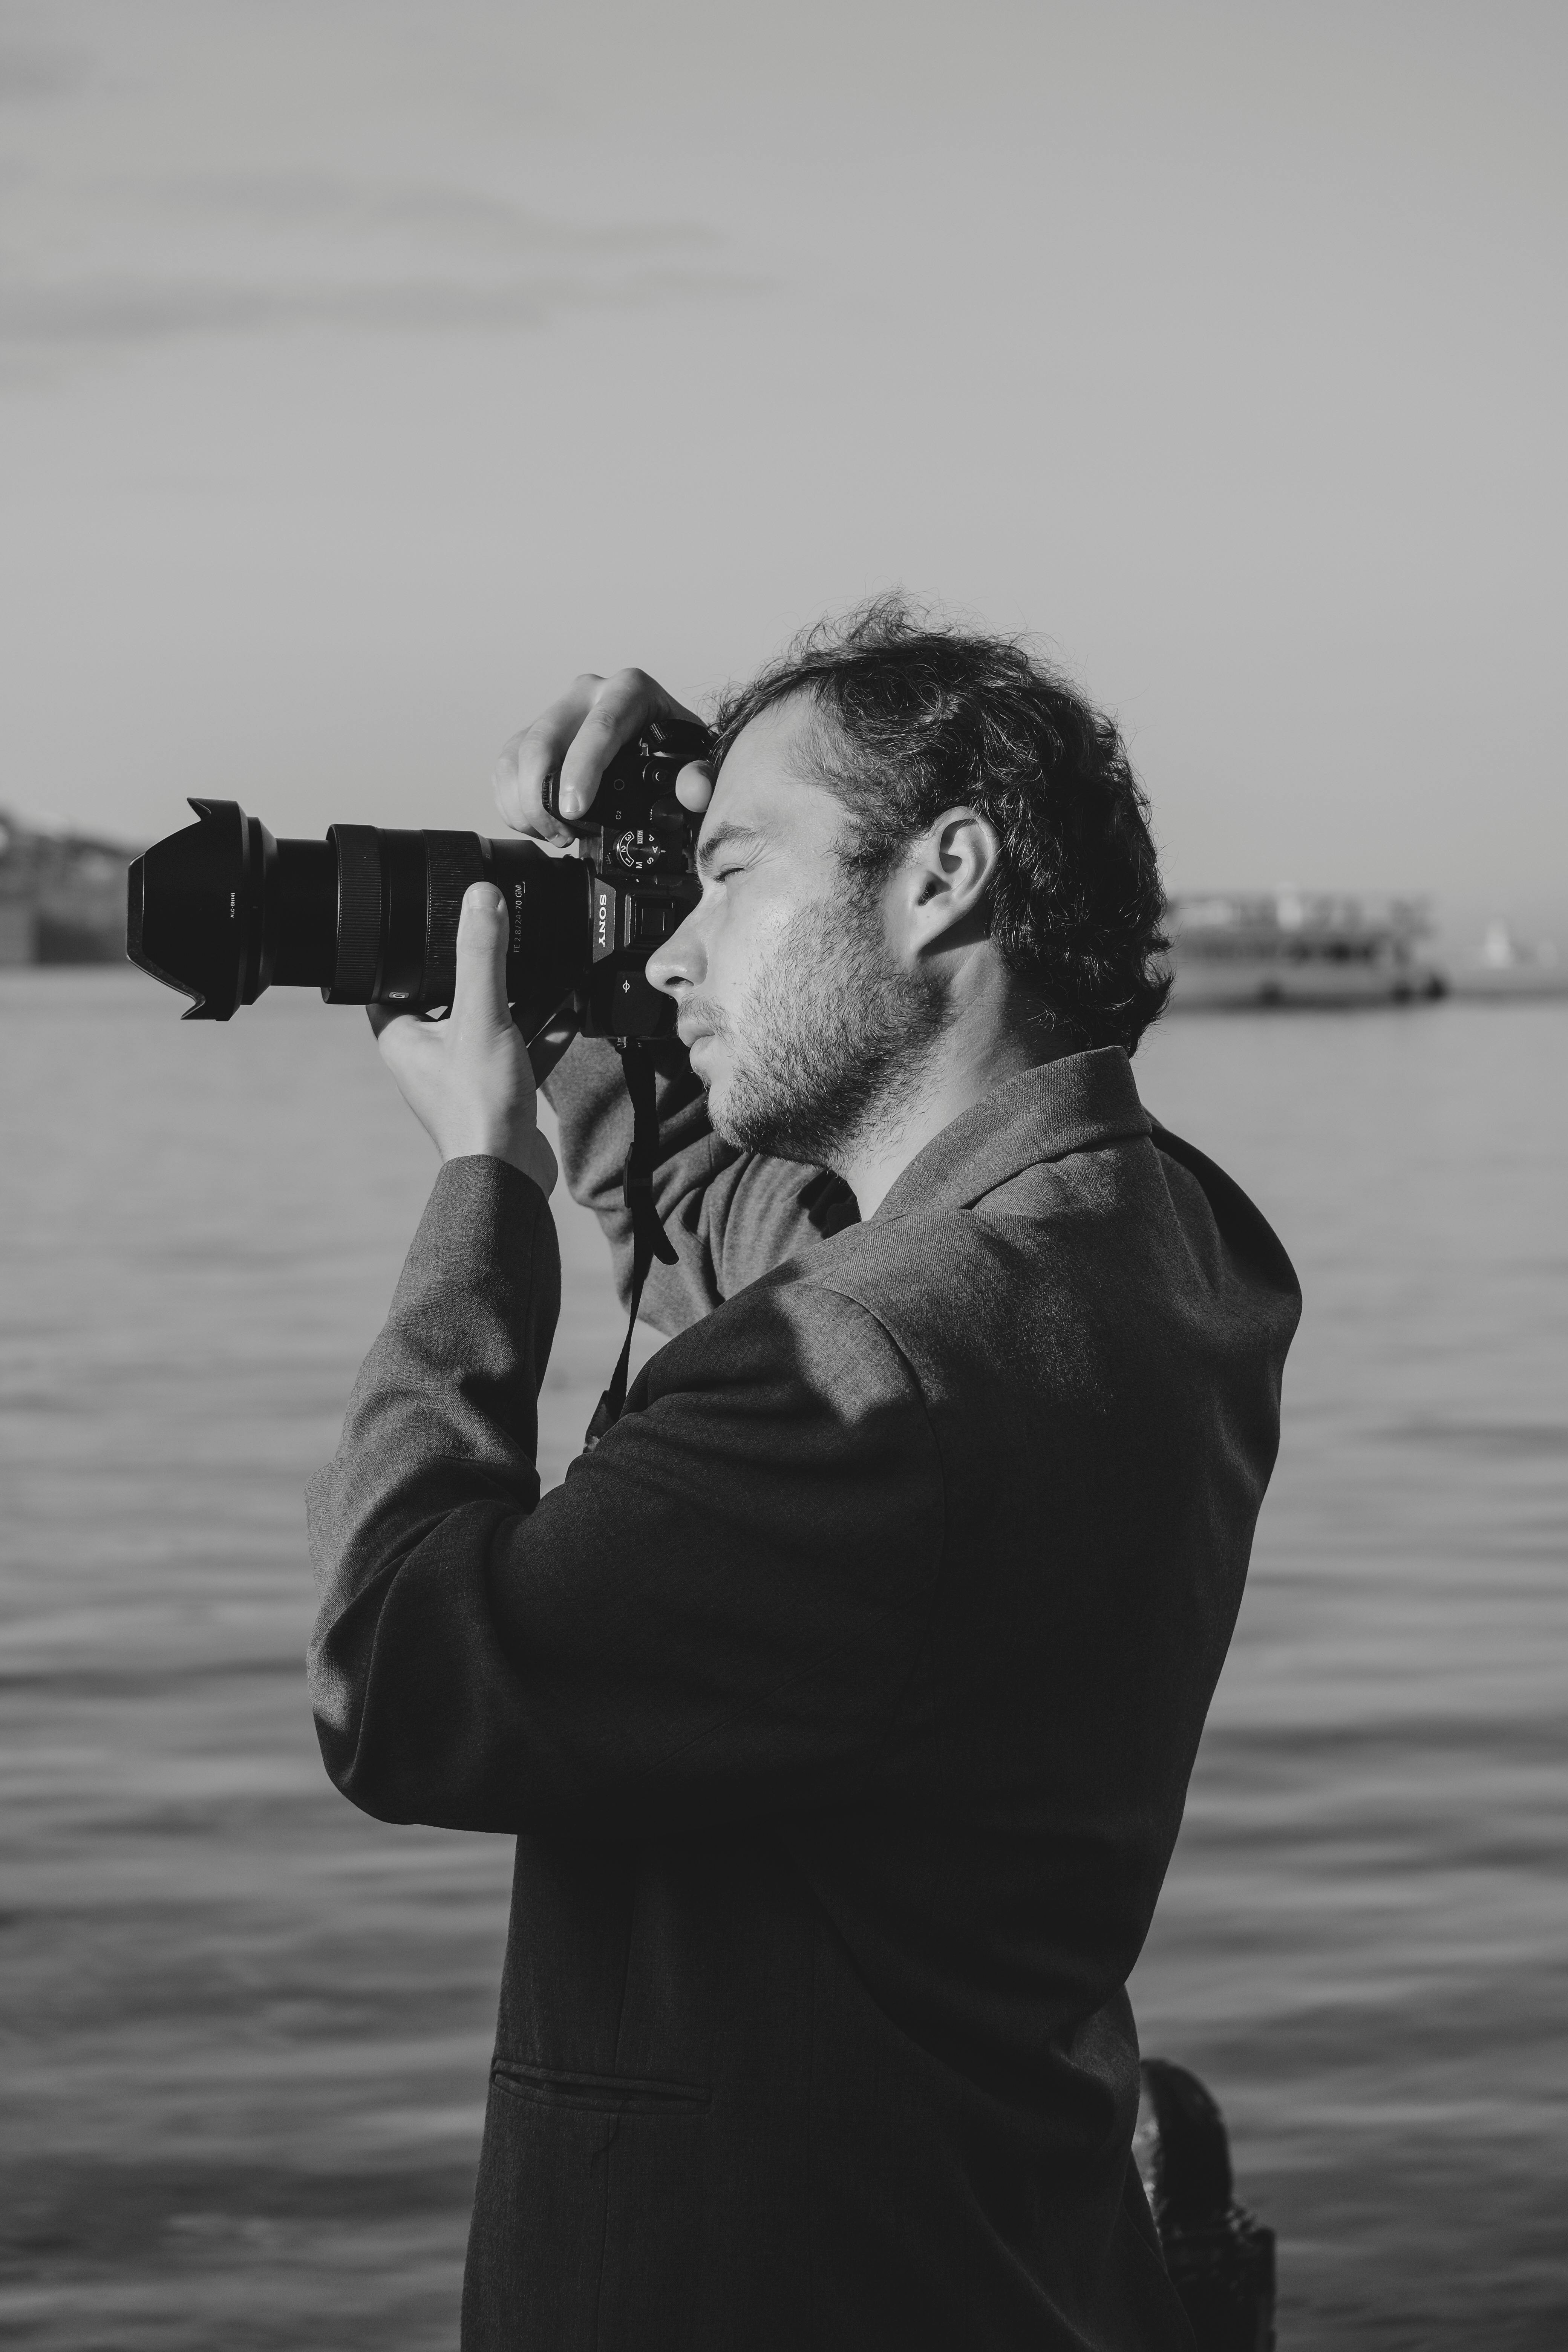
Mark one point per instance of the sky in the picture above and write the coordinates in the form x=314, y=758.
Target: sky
x=367, y=369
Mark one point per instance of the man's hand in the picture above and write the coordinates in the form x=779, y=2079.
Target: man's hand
x=468, y=1079
x=575, y=740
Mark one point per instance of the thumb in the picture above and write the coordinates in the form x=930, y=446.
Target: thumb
x=478, y=993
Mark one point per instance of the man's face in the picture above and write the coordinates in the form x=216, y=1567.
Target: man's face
x=803, y=1022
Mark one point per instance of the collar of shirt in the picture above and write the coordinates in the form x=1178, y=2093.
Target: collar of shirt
x=1082, y=1102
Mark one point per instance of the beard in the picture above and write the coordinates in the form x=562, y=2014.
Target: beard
x=831, y=1040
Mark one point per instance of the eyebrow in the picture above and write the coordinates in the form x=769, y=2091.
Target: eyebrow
x=721, y=838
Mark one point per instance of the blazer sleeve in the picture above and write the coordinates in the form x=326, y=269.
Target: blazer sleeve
x=714, y=1617
x=731, y=1216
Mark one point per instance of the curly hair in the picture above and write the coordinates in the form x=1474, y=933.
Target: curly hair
x=920, y=717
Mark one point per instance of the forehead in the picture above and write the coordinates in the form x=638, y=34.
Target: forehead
x=767, y=781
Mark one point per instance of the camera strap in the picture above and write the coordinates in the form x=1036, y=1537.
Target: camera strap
x=650, y=1240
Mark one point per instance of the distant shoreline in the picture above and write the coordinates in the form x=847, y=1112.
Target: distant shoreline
x=1523, y=986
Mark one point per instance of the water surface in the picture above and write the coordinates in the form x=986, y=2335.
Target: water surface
x=247, y=2029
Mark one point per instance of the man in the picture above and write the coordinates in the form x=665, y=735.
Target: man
x=844, y=1698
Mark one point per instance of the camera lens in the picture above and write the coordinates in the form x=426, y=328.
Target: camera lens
x=221, y=910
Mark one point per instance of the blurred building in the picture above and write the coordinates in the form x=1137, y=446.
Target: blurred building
x=62, y=896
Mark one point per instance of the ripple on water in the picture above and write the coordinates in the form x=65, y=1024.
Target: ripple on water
x=244, y=2097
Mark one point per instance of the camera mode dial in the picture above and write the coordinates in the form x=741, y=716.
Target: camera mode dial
x=637, y=849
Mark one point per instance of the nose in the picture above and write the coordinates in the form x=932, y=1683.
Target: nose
x=678, y=962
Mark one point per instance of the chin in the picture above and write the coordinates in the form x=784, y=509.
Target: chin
x=720, y=1091
x=716, y=1092
x=714, y=1082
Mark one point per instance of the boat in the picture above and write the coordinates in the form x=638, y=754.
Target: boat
x=1236, y=950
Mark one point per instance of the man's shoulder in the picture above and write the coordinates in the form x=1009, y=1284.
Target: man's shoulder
x=905, y=1311
x=811, y=1322
x=1066, y=1268
x=1032, y=1226
x=1038, y=1280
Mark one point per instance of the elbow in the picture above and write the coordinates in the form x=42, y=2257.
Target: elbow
x=402, y=1750
x=395, y=1779
x=367, y=1778
x=416, y=1709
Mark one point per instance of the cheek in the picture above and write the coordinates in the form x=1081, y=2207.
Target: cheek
x=738, y=942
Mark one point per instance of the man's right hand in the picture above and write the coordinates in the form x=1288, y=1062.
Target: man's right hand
x=575, y=740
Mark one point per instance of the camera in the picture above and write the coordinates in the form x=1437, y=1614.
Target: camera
x=222, y=910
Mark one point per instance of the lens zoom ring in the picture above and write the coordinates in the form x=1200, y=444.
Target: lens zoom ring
x=359, y=914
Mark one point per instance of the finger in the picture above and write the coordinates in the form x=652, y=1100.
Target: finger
x=479, y=992
x=621, y=707
x=517, y=781
x=403, y=1041
x=694, y=786
x=534, y=753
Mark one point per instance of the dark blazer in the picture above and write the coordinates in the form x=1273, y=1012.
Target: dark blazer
x=843, y=1700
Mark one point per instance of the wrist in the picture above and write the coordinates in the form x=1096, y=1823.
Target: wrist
x=536, y=1160
x=523, y=1148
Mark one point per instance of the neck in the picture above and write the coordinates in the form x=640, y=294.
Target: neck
x=996, y=1033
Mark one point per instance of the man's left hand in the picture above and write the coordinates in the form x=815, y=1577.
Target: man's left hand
x=468, y=1079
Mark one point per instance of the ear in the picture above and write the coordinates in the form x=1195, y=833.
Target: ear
x=944, y=879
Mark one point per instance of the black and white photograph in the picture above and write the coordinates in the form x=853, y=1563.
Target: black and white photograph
x=783, y=1062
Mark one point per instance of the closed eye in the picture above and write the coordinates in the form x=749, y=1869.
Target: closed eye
x=714, y=842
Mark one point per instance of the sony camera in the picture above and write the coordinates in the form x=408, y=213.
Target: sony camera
x=369, y=916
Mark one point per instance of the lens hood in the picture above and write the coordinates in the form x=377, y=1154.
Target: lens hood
x=194, y=910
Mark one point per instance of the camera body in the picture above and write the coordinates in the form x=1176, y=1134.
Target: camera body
x=222, y=910
x=639, y=846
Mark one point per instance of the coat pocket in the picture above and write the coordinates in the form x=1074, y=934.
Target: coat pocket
x=606, y=2093
x=587, y=2229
